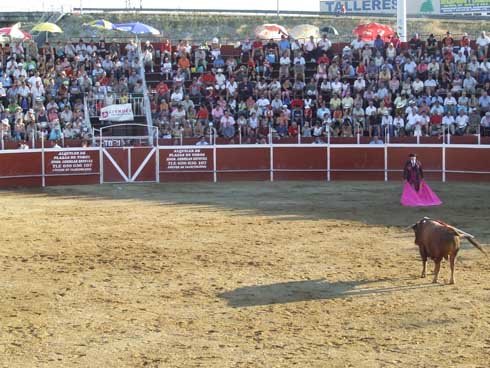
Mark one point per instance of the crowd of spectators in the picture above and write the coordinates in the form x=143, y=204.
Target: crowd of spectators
x=42, y=89
x=289, y=87
x=254, y=90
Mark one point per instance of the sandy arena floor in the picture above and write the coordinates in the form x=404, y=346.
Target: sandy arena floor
x=237, y=275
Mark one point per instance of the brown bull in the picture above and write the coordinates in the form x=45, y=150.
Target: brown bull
x=438, y=240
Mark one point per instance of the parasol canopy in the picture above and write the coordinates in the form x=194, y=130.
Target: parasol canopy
x=137, y=28
x=15, y=33
x=100, y=23
x=368, y=32
x=304, y=31
x=47, y=27
x=268, y=31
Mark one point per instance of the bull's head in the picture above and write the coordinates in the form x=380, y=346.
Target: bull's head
x=419, y=222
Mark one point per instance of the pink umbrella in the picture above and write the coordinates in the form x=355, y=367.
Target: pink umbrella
x=14, y=32
x=368, y=32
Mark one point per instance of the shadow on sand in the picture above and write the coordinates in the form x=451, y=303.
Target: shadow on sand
x=300, y=291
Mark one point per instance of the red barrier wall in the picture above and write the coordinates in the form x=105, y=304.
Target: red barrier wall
x=243, y=163
x=20, y=168
x=310, y=163
x=349, y=163
x=251, y=162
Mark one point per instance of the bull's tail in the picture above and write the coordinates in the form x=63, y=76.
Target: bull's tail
x=475, y=243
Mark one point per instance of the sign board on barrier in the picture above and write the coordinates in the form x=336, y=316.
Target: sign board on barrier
x=72, y=162
x=186, y=159
x=380, y=6
x=465, y=6
x=122, y=112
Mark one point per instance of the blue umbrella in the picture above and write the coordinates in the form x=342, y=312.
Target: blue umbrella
x=137, y=28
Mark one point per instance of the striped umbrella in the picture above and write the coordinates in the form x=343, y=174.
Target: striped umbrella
x=100, y=23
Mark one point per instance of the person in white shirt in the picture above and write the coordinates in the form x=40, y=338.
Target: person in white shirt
x=220, y=81
x=285, y=63
x=324, y=44
x=448, y=123
x=485, y=124
x=462, y=121
x=357, y=46
x=450, y=103
x=262, y=103
x=387, y=123
x=412, y=119
x=398, y=125
x=359, y=84
x=430, y=84
x=417, y=86
x=231, y=87
x=482, y=43
x=410, y=69
x=484, y=74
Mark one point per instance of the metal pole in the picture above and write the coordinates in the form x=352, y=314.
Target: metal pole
x=418, y=139
x=328, y=155
x=358, y=137
x=271, y=159
x=277, y=8
x=3, y=143
x=443, y=163
x=479, y=138
x=43, y=163
x=215, y=175
x=239, y=134
x=401, y=20
x=157, y=159
x=386, y=162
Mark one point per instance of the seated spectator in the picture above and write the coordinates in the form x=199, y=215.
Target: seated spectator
x=485, y=124
x=482, y=43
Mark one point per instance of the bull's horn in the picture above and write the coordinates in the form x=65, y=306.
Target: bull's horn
x=461, y=232
x=409, y=227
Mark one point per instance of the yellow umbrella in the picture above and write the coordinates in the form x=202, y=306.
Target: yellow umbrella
x=47, y=27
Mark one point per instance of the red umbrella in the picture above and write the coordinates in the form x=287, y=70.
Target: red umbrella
x=368, y=32
x=14, y=32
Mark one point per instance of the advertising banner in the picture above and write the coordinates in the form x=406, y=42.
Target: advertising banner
x=72, y=162
x=414, y=7
x=123, y=112
x=186, y=159
x=465, y=6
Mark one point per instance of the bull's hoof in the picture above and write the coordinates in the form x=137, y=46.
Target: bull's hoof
x=434, y=281
x=423, y=276
x=451, y=282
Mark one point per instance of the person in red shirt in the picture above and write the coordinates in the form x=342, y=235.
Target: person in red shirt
x=297, y=103
x=293, y=129
x=166, y=50
x=203, y=114
x=162, y=89
x=361, y=69
x=323, y=59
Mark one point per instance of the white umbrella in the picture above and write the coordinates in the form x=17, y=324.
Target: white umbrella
x=304, y=31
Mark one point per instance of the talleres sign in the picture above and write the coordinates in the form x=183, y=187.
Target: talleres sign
x=414, y=7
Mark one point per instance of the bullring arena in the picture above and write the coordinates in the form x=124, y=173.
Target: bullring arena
x=213, y=203
x=239, y=274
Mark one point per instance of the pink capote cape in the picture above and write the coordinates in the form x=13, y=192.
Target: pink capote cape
x=424, y=197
